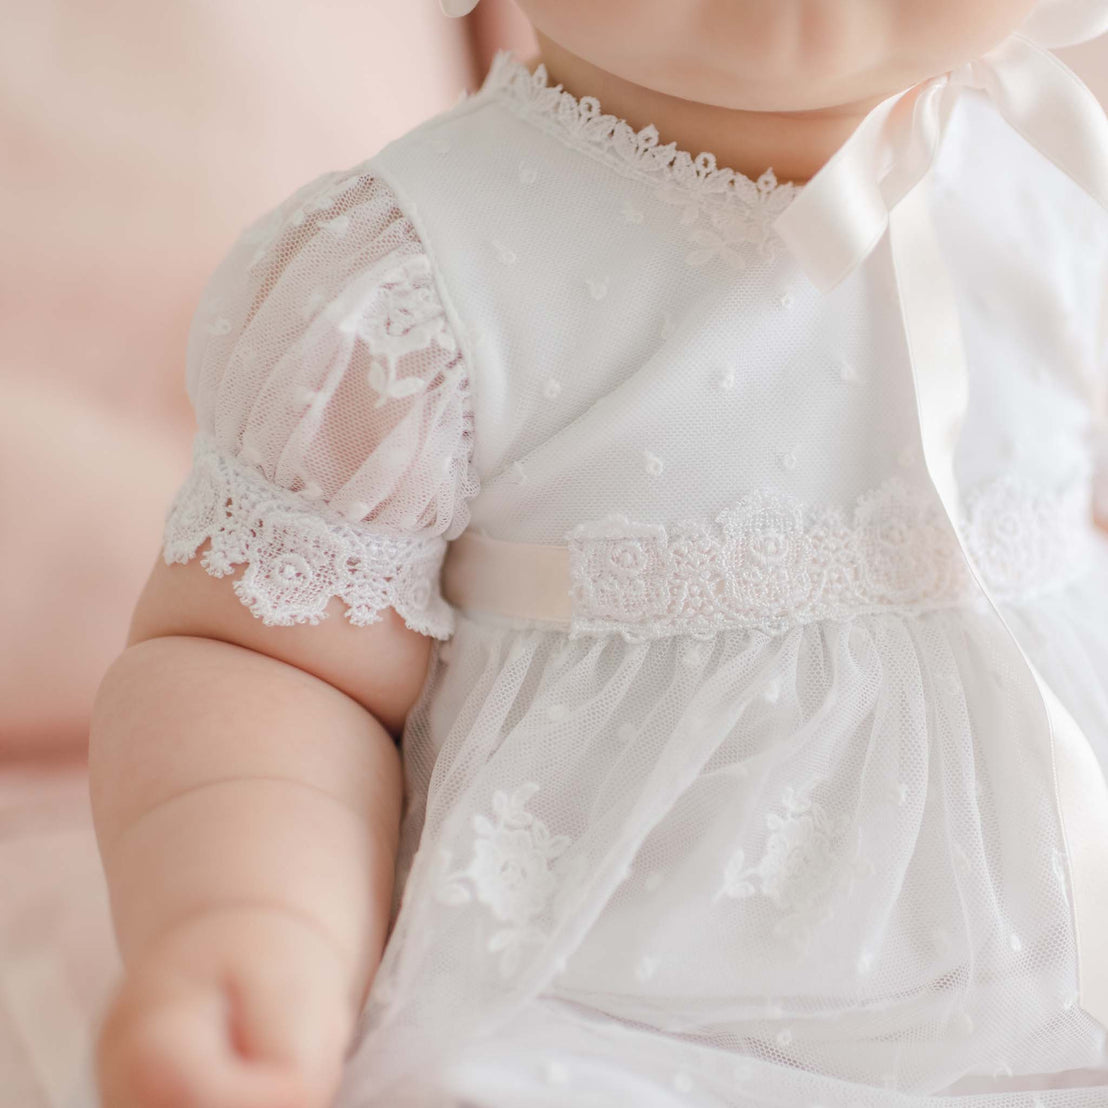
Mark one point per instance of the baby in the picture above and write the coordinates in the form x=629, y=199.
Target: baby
x=630, y=687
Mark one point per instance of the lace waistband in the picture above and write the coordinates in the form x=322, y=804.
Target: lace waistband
x=769, y=563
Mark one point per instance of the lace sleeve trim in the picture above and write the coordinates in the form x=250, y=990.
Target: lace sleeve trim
x=300, y=553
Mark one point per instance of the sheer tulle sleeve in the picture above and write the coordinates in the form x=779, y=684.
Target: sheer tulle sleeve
x=334, y=444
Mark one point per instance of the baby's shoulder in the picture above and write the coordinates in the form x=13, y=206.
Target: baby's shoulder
x=344, y=208
x=340, y=224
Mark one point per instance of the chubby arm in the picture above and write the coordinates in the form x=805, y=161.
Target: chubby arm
x=247, y=790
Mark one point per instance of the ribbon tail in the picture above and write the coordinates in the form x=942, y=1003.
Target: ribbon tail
x=1052, y=108
x=841, y=215
x=933, y=333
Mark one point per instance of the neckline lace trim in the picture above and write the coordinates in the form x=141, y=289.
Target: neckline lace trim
x=583, y=124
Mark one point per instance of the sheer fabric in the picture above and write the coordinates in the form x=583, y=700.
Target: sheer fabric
x=332, y=454
x=768, y=826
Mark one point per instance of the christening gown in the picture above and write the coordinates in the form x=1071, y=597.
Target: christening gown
x=728, y=786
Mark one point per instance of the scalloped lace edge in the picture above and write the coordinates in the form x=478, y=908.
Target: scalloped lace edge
x=300, y=553
x=742, y=208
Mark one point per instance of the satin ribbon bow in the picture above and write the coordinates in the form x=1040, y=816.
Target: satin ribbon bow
x=843, y=212
x=874, y=186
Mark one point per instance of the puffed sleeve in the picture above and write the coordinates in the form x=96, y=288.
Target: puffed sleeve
x=333, y=451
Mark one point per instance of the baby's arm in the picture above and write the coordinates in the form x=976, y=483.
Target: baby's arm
x=247, y=790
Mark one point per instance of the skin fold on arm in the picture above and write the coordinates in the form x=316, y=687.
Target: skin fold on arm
x=247, y=791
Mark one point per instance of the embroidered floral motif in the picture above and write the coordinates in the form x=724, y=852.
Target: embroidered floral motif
x=797, y=867
x=769, y=563
x=1019, y=537
x=299, y=553
x=710, y=246
x=727, y=214
x=807, y=855
x=404, y=316
x=510, y=873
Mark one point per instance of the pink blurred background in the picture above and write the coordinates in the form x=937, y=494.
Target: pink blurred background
x=136, y=140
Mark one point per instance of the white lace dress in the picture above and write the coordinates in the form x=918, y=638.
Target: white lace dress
x=768, y=823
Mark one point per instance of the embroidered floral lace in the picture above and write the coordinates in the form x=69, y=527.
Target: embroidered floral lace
x=333, y=453
x=298, y=554
x=772, y=562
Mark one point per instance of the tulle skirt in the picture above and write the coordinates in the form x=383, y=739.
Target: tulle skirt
x=818, y=868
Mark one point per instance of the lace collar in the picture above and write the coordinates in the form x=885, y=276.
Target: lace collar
x=682, y=178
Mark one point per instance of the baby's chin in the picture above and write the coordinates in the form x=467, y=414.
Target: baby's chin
x=777, y=55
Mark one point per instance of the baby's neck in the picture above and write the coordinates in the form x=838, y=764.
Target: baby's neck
x=795, y=145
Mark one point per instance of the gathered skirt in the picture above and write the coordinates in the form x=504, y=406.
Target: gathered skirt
x=821, y=868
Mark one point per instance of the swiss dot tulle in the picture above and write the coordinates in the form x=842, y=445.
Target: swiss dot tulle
x=335, y=429
x=776, y=830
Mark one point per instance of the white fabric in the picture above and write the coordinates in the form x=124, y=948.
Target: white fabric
x=333, y=407
x=799, y=864
x=832, y=564
x=1050, y=107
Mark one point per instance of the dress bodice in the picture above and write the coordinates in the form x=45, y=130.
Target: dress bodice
x=808, y=851
x=681, y=383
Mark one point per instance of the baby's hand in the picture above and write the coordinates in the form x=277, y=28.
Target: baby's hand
x=242, y=1008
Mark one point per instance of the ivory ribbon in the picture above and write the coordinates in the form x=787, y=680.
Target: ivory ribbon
x=520, y=580
x=873, y=186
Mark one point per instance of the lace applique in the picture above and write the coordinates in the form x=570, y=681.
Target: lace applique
x=803, y=861
x=510, y=873
x=725, y=211
x=770, y=564
x=1026, y=539
x=406, y=317
x=299, y=553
